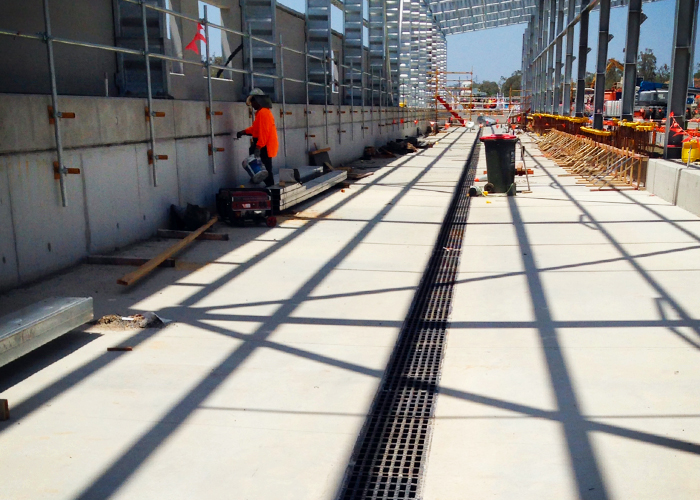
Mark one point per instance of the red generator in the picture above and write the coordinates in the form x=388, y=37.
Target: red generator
x=238, y=205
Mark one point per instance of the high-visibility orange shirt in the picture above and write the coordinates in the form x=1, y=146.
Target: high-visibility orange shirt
x=264, y=131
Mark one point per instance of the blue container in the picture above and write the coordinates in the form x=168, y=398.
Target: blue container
x=255, y=169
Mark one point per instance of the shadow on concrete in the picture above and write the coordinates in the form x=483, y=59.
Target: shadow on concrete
x=33, y=362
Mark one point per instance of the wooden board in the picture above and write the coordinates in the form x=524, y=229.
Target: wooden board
x=144, y=270
x=168, y=233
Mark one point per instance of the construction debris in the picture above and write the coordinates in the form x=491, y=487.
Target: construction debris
x=145, y=320
x=188, y=218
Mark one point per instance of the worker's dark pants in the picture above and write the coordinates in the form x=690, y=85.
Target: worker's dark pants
x=266, y=160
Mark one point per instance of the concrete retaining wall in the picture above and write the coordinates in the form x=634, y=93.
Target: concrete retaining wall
x=113, y=202
x=675, y=183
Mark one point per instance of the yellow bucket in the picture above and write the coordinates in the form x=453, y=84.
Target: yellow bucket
x=691, y=148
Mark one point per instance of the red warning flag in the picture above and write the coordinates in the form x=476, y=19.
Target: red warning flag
x=193, y=46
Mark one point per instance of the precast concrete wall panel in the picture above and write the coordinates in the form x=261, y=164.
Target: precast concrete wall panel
x=114, y=215
x=112, y=202
x=47, y=238
x=9, y=276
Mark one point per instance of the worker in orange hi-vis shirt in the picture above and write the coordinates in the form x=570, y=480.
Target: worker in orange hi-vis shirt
x=264, y=132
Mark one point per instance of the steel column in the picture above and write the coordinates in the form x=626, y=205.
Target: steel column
x=557, y=102
x=550, y=56
x=629, y=79
x=686, y=10
x=599, y=98
x=538, y=65
x=284, y=97
x=568, y=66
x=582, y=59
x=691, y=79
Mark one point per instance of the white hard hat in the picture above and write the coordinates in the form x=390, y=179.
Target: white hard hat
x=254, y=92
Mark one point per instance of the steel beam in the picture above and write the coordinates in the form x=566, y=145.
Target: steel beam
x=603, y=32
x=629, y=79
x=568, y=66
x=582, y=58
x=686, y=10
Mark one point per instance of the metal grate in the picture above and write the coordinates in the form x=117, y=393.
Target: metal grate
x=389, y=456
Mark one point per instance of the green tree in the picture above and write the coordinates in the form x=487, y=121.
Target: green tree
x=663, y=74
x=488, y=88
x=612, y=77
x=513, y=82
x=590, y=78
x=646, y=65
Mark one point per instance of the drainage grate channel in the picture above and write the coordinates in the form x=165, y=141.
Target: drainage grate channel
x=388, y=460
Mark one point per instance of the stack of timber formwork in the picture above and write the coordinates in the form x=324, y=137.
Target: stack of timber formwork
x=599, y=166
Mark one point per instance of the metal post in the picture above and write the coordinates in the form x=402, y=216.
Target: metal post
x=284, y=99
x=582, y=56
x=538, y=66
x=250, y=58
x=556, y=105
x=568, y=65
x=550, y=55
x=599, y=99
x=629, y=79
x=362, y=87
x=352, y=100
x=691, y=79
x=686, y=11
x=306, y=85
x=341, y=90
x=212, y=149
x=54, y=103
x=533, y=42
x=325, y=89
x=371, y=99
x=151, y=112
x=381, y=123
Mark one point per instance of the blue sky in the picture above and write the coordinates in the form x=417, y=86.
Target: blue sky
x=505, y=44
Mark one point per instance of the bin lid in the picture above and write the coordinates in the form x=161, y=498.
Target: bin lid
x=499, y=137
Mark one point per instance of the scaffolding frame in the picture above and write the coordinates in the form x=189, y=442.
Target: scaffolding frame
x=367, y=81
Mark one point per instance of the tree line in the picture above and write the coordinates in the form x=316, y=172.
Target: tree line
x=647, y=69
